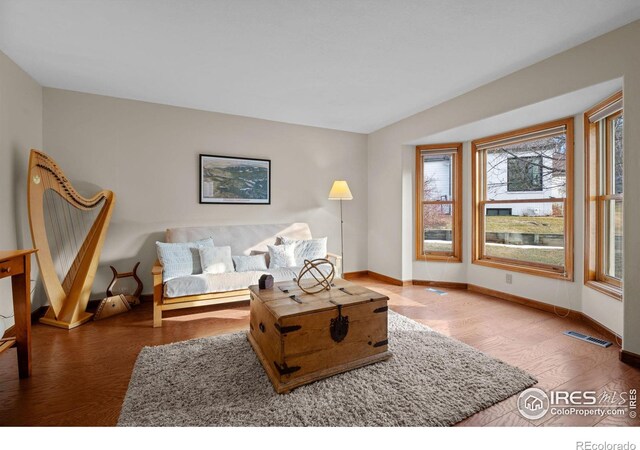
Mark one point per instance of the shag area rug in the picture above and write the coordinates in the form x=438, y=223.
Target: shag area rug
x=431, y=380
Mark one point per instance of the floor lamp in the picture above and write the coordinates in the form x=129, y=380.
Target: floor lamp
x=340, y=191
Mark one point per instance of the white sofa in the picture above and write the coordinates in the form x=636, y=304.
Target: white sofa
x=209, y=289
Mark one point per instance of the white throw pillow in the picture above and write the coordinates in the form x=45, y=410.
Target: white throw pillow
x=251, y=263
x=307, y=249
x=216, y=260
x=260, y=252
x=180, y=259
x=281, y=256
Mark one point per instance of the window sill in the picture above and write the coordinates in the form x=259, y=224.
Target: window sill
x=529, y=270
x=605, y=288
x=439, y=258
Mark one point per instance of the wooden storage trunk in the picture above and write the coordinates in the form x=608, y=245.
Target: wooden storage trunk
x=300, y=338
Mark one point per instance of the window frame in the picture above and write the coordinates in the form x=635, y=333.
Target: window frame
x=598, y=192
x=479, y=203
x=455, y=255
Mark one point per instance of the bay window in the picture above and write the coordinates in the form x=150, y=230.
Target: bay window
x=604, y=196
x=522, y=185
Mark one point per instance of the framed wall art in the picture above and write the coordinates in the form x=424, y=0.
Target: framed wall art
x=233, y=180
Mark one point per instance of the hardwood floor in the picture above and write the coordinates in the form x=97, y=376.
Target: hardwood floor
x=80, y=376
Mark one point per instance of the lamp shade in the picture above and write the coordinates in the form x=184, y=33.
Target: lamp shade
x=340, y=191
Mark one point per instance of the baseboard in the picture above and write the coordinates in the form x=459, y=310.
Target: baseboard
x=440, y=284
x=386, y=279
x=630, y=358
x=609, y=334
x=565, y=312
x=354, y=275
x=396, y=282
x=524, y=301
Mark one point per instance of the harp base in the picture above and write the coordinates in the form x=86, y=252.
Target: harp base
x=84, y=317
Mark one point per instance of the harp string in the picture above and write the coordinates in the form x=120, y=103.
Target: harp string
x=49, y=209
x=69, y=246
x=87, y=235
x=72, y=240
x=77, y=224
x=69, y=230
x=66, y=241
x=54, y=235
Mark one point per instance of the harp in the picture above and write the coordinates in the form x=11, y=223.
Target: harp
x=69, y=231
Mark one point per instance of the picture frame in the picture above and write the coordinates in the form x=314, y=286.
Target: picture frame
x=233, y=180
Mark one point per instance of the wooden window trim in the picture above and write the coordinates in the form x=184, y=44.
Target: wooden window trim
x=456, y=255
x=594, y=277
x=479, y=189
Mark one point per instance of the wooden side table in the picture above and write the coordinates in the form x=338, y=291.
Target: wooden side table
x=17, y=265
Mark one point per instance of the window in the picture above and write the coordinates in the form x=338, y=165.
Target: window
x=524, y=173
x=604, y=194
x=438, y=206
x=522, y=194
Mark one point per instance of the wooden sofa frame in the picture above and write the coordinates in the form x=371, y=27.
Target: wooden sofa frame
x=162, y=303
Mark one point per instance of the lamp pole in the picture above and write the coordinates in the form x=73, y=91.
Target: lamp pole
x=340, y=191
x=341, y=240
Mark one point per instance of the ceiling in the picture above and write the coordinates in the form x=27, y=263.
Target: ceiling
x=354, y=65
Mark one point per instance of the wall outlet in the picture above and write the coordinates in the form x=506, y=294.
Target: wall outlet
x=509, y=278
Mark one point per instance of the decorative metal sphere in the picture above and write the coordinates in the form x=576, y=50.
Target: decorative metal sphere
x=317, y=281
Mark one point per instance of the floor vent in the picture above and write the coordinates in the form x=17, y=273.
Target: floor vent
x=436, y=291
x=591, y=339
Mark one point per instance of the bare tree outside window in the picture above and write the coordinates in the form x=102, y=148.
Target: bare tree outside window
x=520, y=198
x=613, y=205
x=618, y=125
x=436, y=217
x=529, y=166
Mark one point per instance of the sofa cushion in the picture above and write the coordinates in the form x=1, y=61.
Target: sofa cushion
x=307, y=249
x=223, y=282
x=230, y=281
x=281, y=256
x=216, y=259
x=181, y=259
x=250, y=263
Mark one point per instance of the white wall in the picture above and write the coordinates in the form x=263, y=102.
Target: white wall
x=148, y=155
x=608, y=57
x=20, y=130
